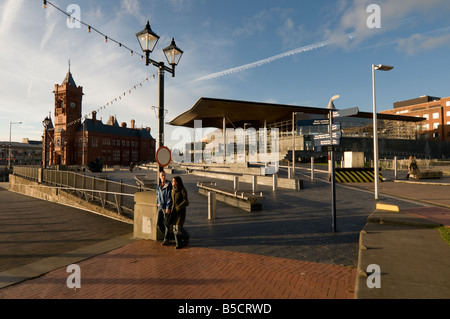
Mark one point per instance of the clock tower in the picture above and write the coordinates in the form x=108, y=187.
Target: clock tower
x=68, y=97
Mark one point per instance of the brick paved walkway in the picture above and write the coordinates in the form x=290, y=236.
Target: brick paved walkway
x=145, y=269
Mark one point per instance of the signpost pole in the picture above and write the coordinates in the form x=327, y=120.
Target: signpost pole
x=333, y=178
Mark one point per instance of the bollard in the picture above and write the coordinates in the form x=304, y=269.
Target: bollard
x=274, y=182
x=312, y=168
x=236, y=183
x=289, y=173
x=211, y=205
x=254, y=184
x=395, y=167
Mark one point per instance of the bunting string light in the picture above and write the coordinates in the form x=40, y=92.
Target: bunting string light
x=91, y=28
x=115, y=100
x=107, y=38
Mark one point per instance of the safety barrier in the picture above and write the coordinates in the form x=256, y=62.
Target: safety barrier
x=356, y=175
x=91, y=188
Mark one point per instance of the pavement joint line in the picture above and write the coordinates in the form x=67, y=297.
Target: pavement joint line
x=36, y=269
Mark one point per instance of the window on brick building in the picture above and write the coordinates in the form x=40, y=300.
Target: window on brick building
x=94, y=142
x=435, y=126
x=116, y=156
x=435, y=115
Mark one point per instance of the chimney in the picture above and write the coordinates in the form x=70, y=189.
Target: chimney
x=132, y=124
x=111, y=120
x=94, y=117
x=123, y=124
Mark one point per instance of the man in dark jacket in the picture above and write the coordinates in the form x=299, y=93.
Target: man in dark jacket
x=164, y=203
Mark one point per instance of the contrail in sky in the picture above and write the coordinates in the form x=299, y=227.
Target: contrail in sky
x=245, y=67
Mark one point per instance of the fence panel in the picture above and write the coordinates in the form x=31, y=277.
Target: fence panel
x=106, y=192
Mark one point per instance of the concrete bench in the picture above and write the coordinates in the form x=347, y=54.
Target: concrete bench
x=246, y=200
x=428, y=174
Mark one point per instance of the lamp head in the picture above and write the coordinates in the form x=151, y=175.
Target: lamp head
x=383, y=67
x=331, y=104
x=46, y=122
x=173, y=53
x=147, y=38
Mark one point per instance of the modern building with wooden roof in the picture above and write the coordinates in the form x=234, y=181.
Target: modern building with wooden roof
x=398, y=134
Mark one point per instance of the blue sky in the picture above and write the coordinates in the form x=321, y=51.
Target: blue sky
x=286, y=51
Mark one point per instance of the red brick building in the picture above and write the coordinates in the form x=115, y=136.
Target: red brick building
x=72, y=140
x=435, y=110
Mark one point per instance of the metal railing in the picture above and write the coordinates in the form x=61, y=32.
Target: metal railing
x=402, y=164
x=107, y=193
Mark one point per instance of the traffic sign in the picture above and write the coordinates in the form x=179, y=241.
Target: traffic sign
x=327, y=142
x=313, y=122
x=346, y=112
x=337, y=134
x=163, y=156
x=335, y=127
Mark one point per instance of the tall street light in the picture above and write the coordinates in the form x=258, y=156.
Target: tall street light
x=380, y=67
x=147, y=40
x=46, y=123
x=9, y=158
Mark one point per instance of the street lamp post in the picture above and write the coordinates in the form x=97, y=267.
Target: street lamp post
x=147, y=40
x=9, y=155
x=46, y=123
x=380, y=67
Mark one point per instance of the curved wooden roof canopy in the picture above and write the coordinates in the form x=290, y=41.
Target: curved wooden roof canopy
x=212, y=111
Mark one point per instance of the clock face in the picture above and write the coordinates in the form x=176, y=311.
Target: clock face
x=72, y=104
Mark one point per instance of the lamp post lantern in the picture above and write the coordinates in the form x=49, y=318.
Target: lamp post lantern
x=380, y=67
x=148, y=40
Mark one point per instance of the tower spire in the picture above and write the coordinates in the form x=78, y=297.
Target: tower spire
x=69, y=78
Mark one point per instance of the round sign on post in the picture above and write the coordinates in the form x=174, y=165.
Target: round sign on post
x=163, y=156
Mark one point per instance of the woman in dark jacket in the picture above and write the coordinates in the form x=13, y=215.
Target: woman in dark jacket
x=179, y=203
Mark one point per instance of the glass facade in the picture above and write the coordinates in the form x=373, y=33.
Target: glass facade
x=355, y=127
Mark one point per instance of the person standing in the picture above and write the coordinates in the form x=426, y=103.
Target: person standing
x=179, y=203
x=413, y=169
x=164, y=203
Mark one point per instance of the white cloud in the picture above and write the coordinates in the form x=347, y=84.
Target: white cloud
x=51, y=22
x=133, y=7
x=260, y=22
x=425, y=41
x=11, y=11
x=353, y=17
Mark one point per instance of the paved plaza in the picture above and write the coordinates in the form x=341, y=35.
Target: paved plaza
x=286, y=251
